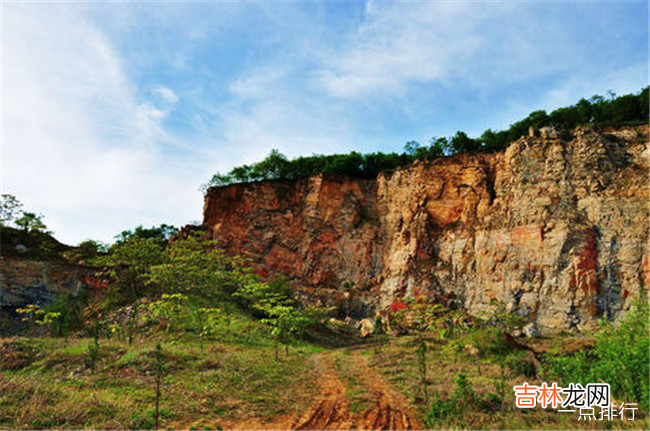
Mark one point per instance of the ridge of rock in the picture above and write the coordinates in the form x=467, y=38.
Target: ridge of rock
x=554, y=227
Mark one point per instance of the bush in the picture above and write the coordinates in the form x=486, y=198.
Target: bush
x=520, y=363
x=69, y=307
x=462, y=400
x=621, y=357
x=441, y=410
x=489, y=341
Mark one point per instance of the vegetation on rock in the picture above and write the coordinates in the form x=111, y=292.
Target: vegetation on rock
x=630, y=109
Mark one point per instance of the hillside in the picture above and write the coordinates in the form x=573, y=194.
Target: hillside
x=460, y=263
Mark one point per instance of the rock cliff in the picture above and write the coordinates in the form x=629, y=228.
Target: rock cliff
x=33, y=271
x=556, y=228
x=25, y=281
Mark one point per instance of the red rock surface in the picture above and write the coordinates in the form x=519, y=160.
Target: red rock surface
x=555, y=229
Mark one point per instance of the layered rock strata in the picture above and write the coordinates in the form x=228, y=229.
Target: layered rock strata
x=554, y=228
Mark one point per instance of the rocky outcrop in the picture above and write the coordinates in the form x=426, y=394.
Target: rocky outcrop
x=556, y=228
x=25, y=281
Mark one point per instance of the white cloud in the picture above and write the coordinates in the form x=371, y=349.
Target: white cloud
x=472, y=46
x=626, y=79
x=263, y=82
x=148, y=112
x=77, y=144
x=403, y=43
x=295, y=127
x=166, y=94
x=436, y=67
x=90, y=146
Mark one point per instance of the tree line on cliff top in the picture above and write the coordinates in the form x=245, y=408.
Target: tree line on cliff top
x=630, y=109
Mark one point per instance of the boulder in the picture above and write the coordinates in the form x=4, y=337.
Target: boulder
x=530, y=331
x=367, y=327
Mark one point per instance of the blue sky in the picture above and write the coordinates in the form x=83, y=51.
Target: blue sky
x=113, y=114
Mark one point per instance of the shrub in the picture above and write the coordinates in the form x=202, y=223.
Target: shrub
x=462, y=400
x=489, y=341
x=520, y=363
x=168, y=311
x=621, y=357
x=440, y=410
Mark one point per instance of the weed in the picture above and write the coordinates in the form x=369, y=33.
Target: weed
x=463, y=400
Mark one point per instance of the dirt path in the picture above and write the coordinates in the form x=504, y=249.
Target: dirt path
x=389, y=409
x=385, y=408
x=332, y=408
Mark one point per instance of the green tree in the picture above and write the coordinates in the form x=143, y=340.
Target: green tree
x=490, y=141
x=9, y=208
x=127, y=263
x=274, y=166
x=422, y=315
x=438, y=147
x=208, y=319
x=620, y=356
x=217, y=180
x=31, y=222
x=194, y=265
x=411, y=147
x=86, y=251
x=37, y=315
x=536, y=119
x=168, y=311
x=280, y=311
x=461, y=143
x=160, y=233
x=287, y=323
x=241, y=174
x=93, y=349
x=69, y=308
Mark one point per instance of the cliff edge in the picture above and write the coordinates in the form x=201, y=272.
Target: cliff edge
x=556, y=227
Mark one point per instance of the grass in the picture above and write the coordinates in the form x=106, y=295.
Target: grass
x=357, y=392
x=397, y=362
x=46, y=384
x=52, y=386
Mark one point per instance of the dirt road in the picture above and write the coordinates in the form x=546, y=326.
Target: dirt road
x=389, y=410
x=340, y=376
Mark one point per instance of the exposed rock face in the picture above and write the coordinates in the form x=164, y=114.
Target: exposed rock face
x=555, y=228
x=24, y=281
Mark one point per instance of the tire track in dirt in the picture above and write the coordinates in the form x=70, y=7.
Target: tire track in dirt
x=332, y=409
x=390, y=410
